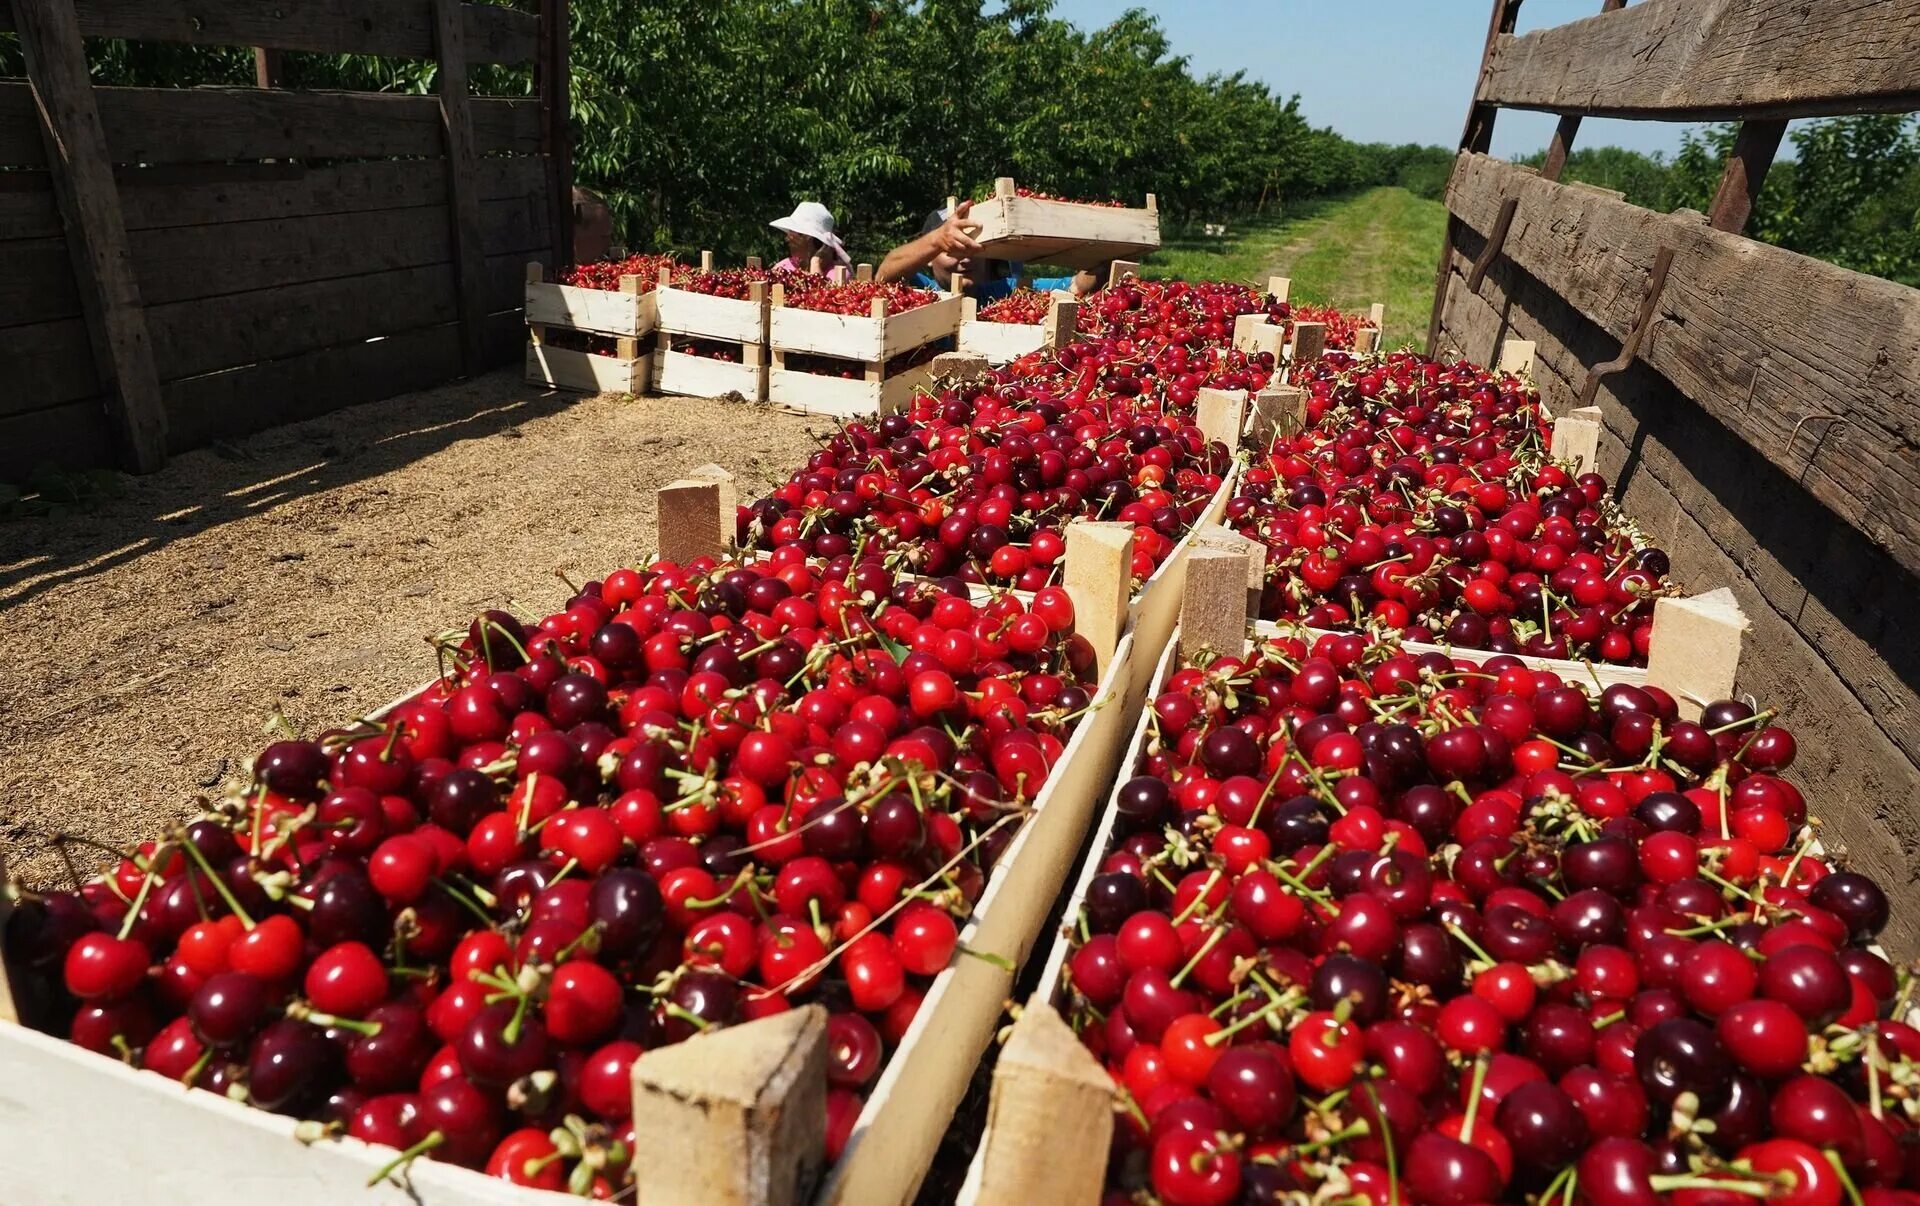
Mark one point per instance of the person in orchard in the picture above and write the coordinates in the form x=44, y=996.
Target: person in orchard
x=809, y=231
x=592, y=227
x=945, y=249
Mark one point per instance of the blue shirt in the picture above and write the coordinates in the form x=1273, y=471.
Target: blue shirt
x=998, y=287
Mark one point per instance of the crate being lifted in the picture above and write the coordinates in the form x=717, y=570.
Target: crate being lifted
x=589, y=340
x=709, y=346
x=815, y=354
x=1072, y=234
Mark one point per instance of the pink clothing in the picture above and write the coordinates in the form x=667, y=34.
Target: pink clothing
x=838, y=271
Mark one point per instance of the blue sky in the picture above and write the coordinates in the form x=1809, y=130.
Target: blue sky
x=1376, y=71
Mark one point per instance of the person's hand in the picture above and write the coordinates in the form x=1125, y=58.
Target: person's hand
x=954, y=237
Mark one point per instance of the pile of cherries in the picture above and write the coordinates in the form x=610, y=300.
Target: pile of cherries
x=694, y=796
x=607, y=274
x=1034, y=194
x=979, y=483
x=857, y=297
x=1403, y=929
x=1419, y=499
x=1023, y=307
x=1342, y=328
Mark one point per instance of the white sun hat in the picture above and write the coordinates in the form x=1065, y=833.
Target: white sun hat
x=813, y=219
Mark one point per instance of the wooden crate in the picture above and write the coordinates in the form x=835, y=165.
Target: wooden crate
x=625, y=316
x=1029, y=230
x=1001, y=342
x=892, y=1145
x=1010, y=1156
x=868, y=340
x=630, y=311
x=727, y=320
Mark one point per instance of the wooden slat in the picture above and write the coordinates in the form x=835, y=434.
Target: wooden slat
x=196, y=125
x=46, y=364
x=378, y=27
x=73, y=435
x=456, y=119
x=156, y=198
x=238, y=401
x=211, y=334
x=76, y=147
x=1715, y=60
x=36, y=282
x=1816, y=367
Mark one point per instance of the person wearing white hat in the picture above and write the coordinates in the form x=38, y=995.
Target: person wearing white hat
x=809, y=231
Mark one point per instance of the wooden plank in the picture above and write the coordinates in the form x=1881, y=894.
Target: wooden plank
x=158, y=198
x=1516, y=356
x=920, y=326
x=1220, y=414
x=83, y=184
x=377, y=27
x=553, y=90
x=36, y=282
x=1576, y=437
x=186, y=262
x=211, y=334
x=457, y=121
x=606, y=311
x=702, y=315
x=1715, y=60
x=196, y=125
x=253, y=397
x=1028, y=229
x=52, y=1085
x=743, y=1108
x=704, y=377
x=47, y=364
x=1000, y=342
x=71, y=434
x=1816, y=367
x=587, y=372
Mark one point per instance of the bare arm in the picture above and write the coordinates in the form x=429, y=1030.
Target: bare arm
x=953, y=238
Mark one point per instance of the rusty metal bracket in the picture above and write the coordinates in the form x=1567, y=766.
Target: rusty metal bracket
x=1496, y=238
x=1662, y=261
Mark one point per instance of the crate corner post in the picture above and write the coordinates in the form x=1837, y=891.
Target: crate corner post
x=742, y=1110
x=1050, y=1116
x=1695, y=651
x=691, y=520
x=1099, y=580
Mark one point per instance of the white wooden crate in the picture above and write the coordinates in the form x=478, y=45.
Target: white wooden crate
x=1030, y=230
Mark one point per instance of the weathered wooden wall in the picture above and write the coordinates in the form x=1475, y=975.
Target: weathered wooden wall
x=1766, y=433
x=291, y=252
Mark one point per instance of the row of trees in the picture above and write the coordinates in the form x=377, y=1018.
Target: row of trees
x=701, y=119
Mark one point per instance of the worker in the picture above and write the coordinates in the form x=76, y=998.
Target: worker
x=592, y=227
x=945, y=249
x=809, y=231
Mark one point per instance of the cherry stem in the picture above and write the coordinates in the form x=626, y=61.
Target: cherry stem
x=1352, y=1132
x=139, y=902
x=1846, y=1180
x=407, y=1157
x=1469, y=943
x=219, y=884
x=1393, y=1156
x=1473, y=1102
x=1755, y=1189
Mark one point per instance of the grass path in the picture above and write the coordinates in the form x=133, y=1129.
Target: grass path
x=1378, y=245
